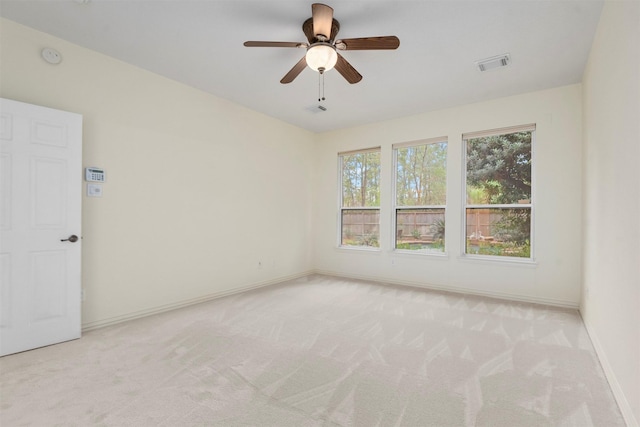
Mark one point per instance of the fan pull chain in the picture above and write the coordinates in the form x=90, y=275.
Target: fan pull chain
x=321, y=84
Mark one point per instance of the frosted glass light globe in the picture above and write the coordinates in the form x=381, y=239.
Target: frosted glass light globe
x=321, y=57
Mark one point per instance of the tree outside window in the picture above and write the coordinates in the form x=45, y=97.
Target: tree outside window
x=420, y=193
x=498, y=190
x=360, y=198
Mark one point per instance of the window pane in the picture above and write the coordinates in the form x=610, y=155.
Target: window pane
x=420, y=229
x=499, y=232
x=361, y=179
x=361, y=227
x=499, y=169
x=421, y=175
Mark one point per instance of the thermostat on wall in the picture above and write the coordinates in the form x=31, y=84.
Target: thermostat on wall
x=94, y=175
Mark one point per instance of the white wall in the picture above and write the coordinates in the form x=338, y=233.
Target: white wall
x=191, y=230
x=228, y=187
x=611, y=299
x=555, y=277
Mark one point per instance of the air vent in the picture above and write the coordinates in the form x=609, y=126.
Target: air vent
x=315, y=108
x=494, y=62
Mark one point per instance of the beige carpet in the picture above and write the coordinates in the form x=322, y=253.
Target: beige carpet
x=320, y=352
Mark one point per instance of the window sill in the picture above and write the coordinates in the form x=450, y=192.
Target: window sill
x=488, y=259
x=419, y=254
x=364, y=249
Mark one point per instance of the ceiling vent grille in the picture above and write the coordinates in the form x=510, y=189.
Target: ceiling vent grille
x=494, y=62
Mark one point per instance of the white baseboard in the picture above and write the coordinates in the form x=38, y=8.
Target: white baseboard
x=455, y=289
x=618, y=393
x=184, y=303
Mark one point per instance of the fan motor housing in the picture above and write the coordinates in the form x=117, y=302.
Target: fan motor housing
x=307, y=29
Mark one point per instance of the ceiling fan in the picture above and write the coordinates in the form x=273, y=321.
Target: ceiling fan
x=322, y=50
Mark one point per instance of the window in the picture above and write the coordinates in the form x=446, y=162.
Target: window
x=498, y=192
x=360, y=198
x=420, y=195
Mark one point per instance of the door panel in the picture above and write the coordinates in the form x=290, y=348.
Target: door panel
x=53, y=134
x=41, y=173
x=5, y=191
x=48, y=193
x=48, y=277
x=5, y=302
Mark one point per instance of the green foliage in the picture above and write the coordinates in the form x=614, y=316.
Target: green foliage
x=477, y=195
x=499, y=172
x=368, y=240
x=438, y=244
x=510, y=249
x=361, y=179
x=500, y=166
x=514, y=226
x=421, y=173
x=435, y=246
x=437, y=229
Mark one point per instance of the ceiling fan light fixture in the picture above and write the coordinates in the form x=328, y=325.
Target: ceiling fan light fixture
x=321, y=57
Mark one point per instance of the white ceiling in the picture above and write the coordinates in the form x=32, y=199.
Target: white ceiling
x=199, y=43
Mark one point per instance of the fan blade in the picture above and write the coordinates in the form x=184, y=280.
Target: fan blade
x=293, y=73
x=274, y=44
x=347, y=71
x=369, y=43
x=322, y=19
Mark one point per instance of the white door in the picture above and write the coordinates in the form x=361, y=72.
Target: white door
x=40, y=208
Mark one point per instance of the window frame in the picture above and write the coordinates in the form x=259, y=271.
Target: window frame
x=394, y=195
x=531, y=205
x=342, y=208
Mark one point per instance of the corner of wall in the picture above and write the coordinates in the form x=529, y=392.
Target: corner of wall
x=611, y=141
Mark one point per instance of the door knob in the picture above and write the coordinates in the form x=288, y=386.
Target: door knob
x=73, y=238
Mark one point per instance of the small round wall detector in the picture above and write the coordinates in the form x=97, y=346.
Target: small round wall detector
x=52, y=56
